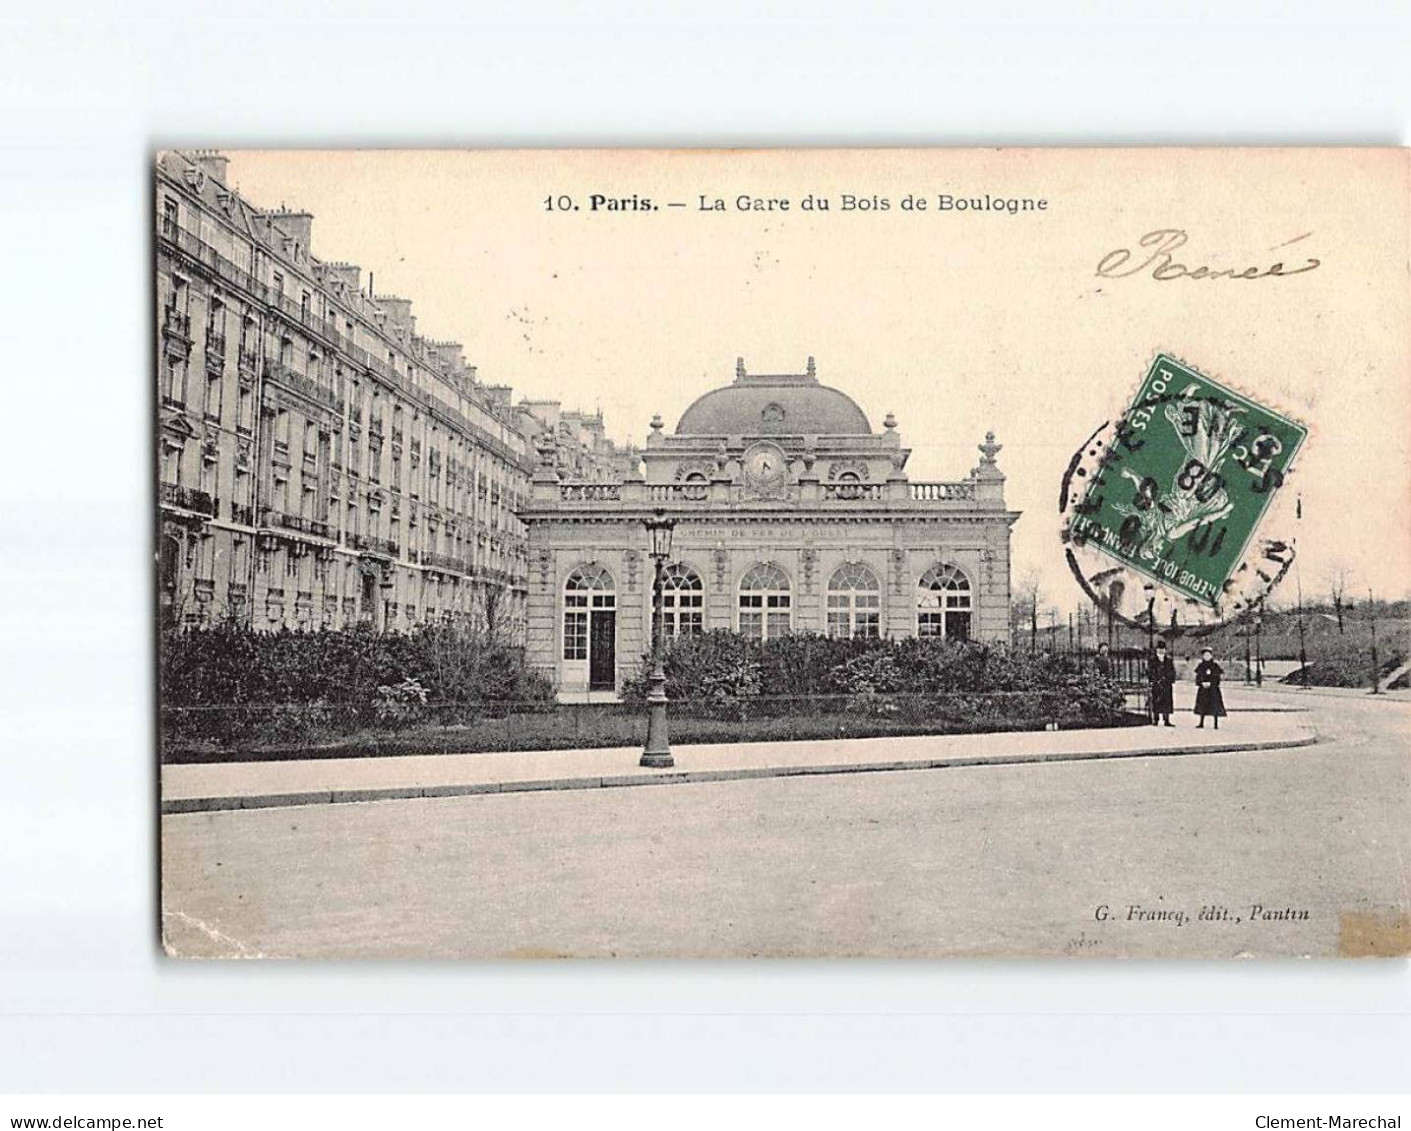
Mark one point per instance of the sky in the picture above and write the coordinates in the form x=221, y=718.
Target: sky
x=957, y=322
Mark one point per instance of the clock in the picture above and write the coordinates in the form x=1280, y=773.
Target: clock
x=766, y=468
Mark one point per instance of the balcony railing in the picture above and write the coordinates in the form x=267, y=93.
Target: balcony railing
x=374, y=545
x=296, y=522
x=589, y=492
x=282, y=374
x=937, y=492
x=215, y=343
x=242, y=513
x=854, y=492
x=188, y=499
x=679, y=492
x=177, y=324
x=444, y=561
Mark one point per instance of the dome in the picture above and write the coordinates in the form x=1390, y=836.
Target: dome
x=774, y=404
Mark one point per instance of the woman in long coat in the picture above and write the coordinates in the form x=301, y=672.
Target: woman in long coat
x=1208, y=700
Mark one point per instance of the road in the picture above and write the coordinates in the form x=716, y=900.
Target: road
x=995, y=860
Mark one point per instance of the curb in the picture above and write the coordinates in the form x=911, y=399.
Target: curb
x=177, y=806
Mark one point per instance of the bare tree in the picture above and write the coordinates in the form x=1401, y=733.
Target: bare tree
x=1025, y=608
x=1339, y=577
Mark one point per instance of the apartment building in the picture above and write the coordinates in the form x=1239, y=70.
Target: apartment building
x=321, y=462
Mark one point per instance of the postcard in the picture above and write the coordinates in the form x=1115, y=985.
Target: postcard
x=783, y=553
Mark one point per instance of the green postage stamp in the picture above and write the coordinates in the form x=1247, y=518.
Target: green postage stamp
x=1184, y=480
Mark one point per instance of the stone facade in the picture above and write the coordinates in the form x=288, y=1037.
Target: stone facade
x=320, y=462
x=791, y=514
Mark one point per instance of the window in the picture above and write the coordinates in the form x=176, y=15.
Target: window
x=171, y=217
x=171, y=462
x=854, y=601
x=764, y=602
x=682, y=601
x=943, y=603
x=174, y=382
x=587, y=588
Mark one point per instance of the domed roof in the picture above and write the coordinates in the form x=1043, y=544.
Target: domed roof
x=774, y=404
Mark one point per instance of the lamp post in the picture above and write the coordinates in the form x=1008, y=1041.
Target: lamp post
x=1259, y=645
x=657, y=750
x=1248, y=661
x=1376, y=667
x=1150, y=590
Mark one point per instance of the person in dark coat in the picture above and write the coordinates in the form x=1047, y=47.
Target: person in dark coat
x=1104, y=661
x=1208, y=700
x=1161, y=675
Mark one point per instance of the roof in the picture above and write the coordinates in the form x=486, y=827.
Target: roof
x=774, y=404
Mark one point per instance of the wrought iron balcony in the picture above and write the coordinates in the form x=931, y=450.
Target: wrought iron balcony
x=444, y=561
x=295, y=522
x=188, y=499
x=176, y=324
x=282, y=374
x=374, y=545
x=242, y=513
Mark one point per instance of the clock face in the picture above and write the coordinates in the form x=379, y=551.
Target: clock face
x=766, y=466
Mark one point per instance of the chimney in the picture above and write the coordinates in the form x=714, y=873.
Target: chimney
x=499, y=394
x=298, y=226
x=350, y=274
x=399, y=310
x=212, y=162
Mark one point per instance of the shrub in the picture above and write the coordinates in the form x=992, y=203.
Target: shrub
x=874, y=676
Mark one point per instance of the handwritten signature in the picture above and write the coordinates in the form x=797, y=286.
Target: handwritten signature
x=1160, y=246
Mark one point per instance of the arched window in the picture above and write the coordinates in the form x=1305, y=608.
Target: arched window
x=943, y=603
x=854, y=601
x=588, y=587
x=849, y=485
x=764, y=602
x=695, y=486
x=682, y=601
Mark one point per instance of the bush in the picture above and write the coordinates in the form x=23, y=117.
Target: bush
x=976, y=683
x=232, y=685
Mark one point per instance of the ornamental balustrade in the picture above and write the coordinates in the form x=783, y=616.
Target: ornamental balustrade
x=853, y=492
x=937, y=492
x=589, y=492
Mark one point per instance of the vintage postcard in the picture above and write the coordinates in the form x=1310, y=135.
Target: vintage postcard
x=795, y=553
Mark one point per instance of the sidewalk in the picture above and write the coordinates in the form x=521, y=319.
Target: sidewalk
x=259, y=785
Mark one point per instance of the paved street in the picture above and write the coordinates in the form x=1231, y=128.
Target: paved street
x=1014, y=859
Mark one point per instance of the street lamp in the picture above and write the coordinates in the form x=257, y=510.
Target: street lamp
x=657, y=751
x=1150, y=590
x=1259, y=645
x=1376, y=667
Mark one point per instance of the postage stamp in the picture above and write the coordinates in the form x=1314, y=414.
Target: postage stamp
x=1184, y=480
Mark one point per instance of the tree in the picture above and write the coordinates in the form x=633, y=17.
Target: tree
x=1339, y=578
x=1025, y=609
